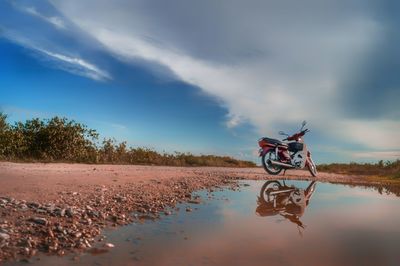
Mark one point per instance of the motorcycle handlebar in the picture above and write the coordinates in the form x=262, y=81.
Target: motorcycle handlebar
x=297, y=135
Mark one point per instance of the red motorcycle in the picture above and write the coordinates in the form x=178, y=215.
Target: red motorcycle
x=288, y=201
x=290, y=153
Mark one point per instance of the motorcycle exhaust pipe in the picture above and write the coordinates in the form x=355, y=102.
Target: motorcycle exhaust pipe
x=283, y=165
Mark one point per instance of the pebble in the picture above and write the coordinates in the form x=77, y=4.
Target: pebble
x=4, y=236
x=70, y=212
x=33, y=205
x=62, y=212
x=109, y=245
x=76, y=225
x=195, y=201
x=23, y=207
x=39, y=220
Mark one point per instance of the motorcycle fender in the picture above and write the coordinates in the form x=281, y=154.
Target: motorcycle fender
x=308, y=158
x=263, y=151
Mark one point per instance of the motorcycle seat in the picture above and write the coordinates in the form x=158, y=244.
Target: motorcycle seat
x=275, y=141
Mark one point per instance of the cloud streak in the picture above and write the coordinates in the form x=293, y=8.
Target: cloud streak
x=72, y=64
x=77, y=65
x=53, y=20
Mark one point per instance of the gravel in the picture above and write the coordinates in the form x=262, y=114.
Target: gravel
x=74, y=221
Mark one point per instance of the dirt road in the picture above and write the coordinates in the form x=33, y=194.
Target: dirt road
x=38, y=181
x=58, y=208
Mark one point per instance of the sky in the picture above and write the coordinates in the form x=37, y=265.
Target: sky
x=209, y=77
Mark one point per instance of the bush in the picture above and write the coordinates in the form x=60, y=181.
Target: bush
x=59, y=139
x=388, y=168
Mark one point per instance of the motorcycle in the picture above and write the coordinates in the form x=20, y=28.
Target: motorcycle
x=290, y=153
x=289, y=202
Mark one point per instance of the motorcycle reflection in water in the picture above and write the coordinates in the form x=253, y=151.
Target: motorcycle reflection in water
x=277, y=198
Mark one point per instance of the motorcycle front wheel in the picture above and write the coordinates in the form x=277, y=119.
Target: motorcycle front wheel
x=266, y=162
x=312, y=167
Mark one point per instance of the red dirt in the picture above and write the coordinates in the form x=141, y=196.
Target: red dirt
x=56, y=208
x=39, y=181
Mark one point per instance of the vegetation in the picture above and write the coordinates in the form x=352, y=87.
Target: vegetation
x=62, y=140
x=386, y=169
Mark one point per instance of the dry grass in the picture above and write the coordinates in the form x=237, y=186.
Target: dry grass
x=388, y=171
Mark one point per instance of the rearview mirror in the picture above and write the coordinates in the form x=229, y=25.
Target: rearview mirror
x=303, y=124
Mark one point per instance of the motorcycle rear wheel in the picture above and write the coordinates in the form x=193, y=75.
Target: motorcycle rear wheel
x=271, y=169
x=269, y=186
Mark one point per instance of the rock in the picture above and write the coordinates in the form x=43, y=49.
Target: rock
x=94, y=213
x=88, y=244
x=109, y=245
x=27, y=251
x=70, y=212
x=62, y=212
x=33, y=205
x=50, y=233
x=50, y=208
x=4, y=237
x=39, y=220
x=195, y=201
x=23, y=207
x=188, y=209
x=4, y=201
x=9, y=199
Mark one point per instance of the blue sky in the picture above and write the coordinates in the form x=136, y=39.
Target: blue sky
x=209, y=77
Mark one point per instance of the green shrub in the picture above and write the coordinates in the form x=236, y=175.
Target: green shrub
x=59, y=139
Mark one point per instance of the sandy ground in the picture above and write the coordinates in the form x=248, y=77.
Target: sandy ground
x=38, y=181
x=61, y=208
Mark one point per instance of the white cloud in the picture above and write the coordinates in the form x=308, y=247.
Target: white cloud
x=301, y=58
x=233, y=121
x=72, y=64
x=79, y=66
x=55, y=21
x=375, y=134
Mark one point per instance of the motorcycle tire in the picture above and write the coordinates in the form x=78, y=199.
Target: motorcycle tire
x=312, y=167
x=272, y=170
x=269, y=185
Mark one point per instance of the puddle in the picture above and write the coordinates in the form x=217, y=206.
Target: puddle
x=335, y=224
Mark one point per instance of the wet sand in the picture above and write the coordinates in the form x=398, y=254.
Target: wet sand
x=57, y=208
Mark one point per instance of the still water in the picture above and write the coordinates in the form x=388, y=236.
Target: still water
x=302, y=223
